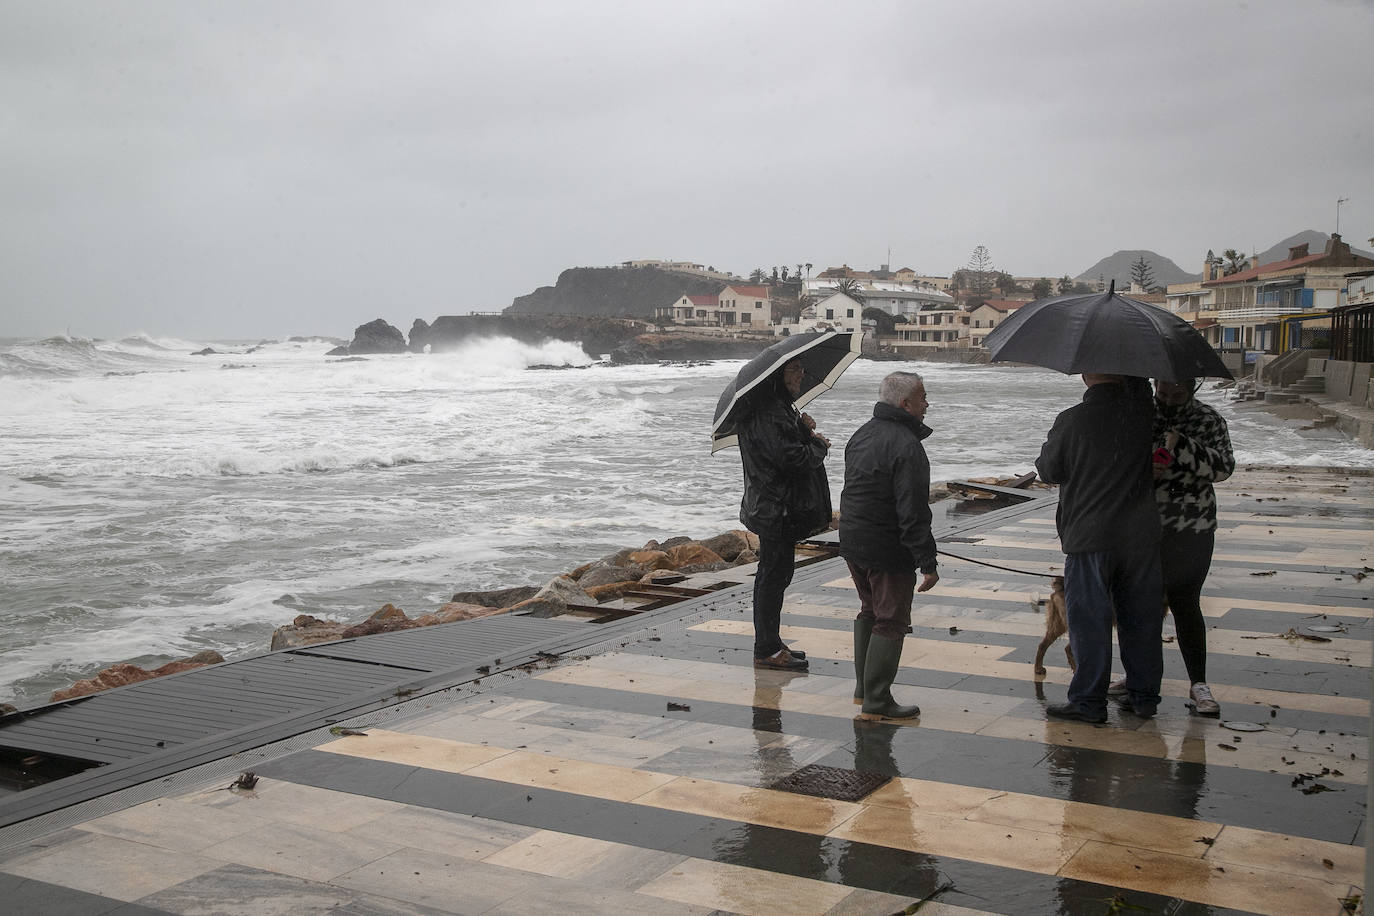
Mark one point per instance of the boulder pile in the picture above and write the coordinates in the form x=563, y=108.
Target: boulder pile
x=591, y=584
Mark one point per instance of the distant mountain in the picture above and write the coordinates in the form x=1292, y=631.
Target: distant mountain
x=1118, y=266
x=1316, y=243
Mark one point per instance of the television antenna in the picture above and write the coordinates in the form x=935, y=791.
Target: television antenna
x=1339, y=201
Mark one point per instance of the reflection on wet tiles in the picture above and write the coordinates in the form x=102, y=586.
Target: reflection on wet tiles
x=241, y=889
x=415, y=750
x=743, y=890
x=1236, y=886
x=569, y=775
x=443, y=831
x=758, y=769
x=442, y=881
x=598, y=863
x=1295, y=855
x=572, y=897
x=995, y=844
x=766, y=807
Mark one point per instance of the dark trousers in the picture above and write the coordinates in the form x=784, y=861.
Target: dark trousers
x=885, y=599
x=776, y=564
x=1184, y=559
x=1129, y=583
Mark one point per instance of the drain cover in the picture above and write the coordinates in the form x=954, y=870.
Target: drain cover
x=1236, y=726
x=830, y=782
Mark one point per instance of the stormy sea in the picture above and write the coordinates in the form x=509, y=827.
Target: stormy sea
x=155, y=503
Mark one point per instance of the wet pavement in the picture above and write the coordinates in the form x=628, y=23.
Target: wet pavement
x=640, y=777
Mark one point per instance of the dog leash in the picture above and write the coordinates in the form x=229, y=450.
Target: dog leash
x=1024, y=572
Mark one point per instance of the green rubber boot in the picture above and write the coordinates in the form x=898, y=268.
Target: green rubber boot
x=880, y=670
x=863, y=629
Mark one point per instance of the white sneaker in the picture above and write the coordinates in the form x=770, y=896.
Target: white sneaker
x=1117, y=688
x=1203, y=703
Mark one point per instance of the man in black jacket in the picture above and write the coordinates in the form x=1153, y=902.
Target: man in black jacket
x=1099, y=453
x=786, y=498
x=885, y=536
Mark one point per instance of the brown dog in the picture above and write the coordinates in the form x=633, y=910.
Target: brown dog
x=1056, y=625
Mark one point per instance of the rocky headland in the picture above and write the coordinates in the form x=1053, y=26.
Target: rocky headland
x=620, y=341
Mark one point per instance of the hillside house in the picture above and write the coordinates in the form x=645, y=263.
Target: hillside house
x=748, y=306
x=689, y=310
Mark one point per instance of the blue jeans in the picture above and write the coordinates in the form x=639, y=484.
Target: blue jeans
x=1129, y=583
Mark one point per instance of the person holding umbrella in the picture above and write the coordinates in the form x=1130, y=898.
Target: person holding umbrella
x=1099, y=453
x=786, y=498
x=1192, y=452
x=786, y=493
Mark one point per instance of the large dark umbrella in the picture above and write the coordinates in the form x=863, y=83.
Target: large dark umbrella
x=1105, y=334
x=823, y=356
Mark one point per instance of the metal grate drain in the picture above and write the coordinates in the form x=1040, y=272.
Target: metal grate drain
x=830, y=782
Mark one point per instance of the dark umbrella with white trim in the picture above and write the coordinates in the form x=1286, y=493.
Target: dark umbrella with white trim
x=823, y=357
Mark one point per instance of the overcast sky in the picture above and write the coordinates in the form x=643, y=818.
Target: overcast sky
x=244, y=169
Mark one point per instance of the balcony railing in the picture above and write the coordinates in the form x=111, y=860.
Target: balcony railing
x=1258, y=312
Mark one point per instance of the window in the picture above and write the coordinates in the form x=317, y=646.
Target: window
x=849, y=313
x=830, y=313
x=758, y=305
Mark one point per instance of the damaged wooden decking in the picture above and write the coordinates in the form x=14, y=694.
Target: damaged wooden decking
x=646, y=766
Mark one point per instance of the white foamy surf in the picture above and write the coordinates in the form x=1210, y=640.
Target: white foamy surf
x=154, y=502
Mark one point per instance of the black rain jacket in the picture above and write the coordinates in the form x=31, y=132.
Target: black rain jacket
x=786, y=493
x=1099, y=452
x=885, y=507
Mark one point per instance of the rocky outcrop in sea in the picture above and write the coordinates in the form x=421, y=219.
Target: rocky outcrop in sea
x=621, y=341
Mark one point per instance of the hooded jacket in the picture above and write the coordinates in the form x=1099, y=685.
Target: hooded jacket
x=885, y=507
x=1099, y=453
x=786, y=493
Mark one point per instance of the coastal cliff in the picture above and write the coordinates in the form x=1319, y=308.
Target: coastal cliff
x=614, y=291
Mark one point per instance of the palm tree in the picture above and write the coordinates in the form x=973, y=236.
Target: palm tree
x=851, y=288
x=1235, y=262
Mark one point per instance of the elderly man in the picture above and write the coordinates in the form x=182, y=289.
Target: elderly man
x=1098, y=452
x=885, y=536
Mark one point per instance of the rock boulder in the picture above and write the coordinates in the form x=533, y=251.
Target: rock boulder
x=692, y=553
x=122, y=674
x=306, y=630
x=604, y=575
x=499, y=597
x=729, y=545
x=377, y=337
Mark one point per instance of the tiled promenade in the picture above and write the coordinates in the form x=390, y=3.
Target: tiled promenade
x=636, y=779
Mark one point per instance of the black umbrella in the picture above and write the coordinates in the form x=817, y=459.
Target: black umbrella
x=1105, y=334
x=823, y=356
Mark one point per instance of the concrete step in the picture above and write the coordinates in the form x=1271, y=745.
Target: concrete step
x=1280, y=397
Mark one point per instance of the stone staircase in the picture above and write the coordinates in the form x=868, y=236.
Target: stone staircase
x=1301, y=390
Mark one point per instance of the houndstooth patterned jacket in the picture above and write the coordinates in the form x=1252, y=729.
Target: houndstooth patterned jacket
x=1202, y=457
